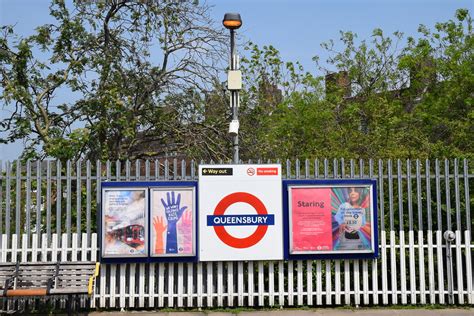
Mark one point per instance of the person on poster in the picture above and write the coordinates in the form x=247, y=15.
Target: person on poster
x=351, y=217
x=173, y=213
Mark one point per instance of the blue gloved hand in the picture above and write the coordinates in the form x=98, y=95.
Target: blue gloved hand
x=173, y=213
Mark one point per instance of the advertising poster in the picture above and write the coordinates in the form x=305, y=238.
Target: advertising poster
x=172, y=222
x=124, y=222
x=240, y=212
x=311, y=220
x=331, y=219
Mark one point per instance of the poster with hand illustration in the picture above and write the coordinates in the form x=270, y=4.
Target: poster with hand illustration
x=172, y=222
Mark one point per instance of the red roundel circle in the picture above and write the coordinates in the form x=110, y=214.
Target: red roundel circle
x=222, y=233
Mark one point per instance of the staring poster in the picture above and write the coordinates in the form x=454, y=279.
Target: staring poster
x=124, y=222
x=172, y=222
x=331, y=219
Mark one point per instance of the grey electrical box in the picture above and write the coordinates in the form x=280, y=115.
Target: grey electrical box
x=234, y=80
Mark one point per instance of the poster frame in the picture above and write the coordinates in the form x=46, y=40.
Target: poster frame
x=341, y=254
x=147, y=185
x=182, y=186
x=102, y=228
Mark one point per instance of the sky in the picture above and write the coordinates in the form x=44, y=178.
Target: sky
x=295, y=27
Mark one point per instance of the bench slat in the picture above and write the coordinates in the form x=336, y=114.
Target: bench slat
x=77, y=267
x=53, y=263
x=73, y=265
x=6, y=272
x=30, y=282
x=71, y=290
x=32, y=279
x=74, y=277
x=40, y=266
x=27, y=292
x=69, y=285
x=35, y=275
x=72, y=274
x=71, y=282
x=33, y=269
x=35, y=272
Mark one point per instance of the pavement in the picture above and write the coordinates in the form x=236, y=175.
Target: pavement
x=300, y=312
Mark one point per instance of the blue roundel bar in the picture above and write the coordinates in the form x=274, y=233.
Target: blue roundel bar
x=240, y=220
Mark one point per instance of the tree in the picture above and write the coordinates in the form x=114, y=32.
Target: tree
x=443, y=109
x=387, y=99
x=268, y=83
x=144, y=83
x=120, y=60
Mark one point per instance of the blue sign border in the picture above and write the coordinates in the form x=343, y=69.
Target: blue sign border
x=327, y=182
x=148, y=185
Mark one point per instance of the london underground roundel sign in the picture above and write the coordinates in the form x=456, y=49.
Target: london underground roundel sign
x=261, y=221
x=240, y=212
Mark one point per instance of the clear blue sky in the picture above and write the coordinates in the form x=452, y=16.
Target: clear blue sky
x=298, y=27
x=295, y=27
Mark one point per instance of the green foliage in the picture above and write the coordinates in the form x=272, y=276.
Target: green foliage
x=383, y=102
x=384, y=97
x=119, y=63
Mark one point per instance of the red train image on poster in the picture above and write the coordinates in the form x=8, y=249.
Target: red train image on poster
x=132, y=235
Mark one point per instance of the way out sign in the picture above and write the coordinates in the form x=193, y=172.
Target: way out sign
x=240, y=212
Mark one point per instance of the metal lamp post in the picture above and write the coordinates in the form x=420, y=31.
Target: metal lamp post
x=232, y=21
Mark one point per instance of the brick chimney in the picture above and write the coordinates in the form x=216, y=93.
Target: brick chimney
x=338, y=83
x=422, y=75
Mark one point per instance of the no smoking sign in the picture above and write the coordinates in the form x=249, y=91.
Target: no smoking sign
x=240, y=215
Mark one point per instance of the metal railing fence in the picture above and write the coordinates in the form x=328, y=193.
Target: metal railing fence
x=48, y=211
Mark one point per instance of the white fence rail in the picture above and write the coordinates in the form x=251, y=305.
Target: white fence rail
x=270, y=283
x=49, y=216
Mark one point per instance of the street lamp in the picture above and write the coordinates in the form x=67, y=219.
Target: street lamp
x=232, y=21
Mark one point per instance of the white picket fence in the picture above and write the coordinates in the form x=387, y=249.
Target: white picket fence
x=416, y=275
x=47, y=211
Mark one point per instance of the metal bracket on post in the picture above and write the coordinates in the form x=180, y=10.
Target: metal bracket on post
x=449, y=236
x=234, y=128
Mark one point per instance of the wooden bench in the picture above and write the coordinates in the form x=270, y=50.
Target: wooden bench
x=41, y=279
x=7, y=270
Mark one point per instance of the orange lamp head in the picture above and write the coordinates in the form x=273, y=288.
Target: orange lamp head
x=232, y=21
